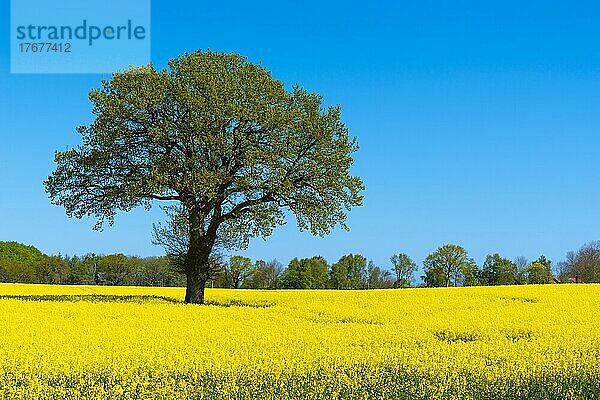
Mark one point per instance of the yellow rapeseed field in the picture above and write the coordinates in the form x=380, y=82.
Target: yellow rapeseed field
x=525, y=342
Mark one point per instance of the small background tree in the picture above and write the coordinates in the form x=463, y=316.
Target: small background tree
x=497, y=270
x=521, y=264
x=404, y=268
x=450, y=263
x=582, y=265
x=237, y=271
x=350, y=272
x=306, y=273
x=539, y=271
x=378, y=278
x=265, y=275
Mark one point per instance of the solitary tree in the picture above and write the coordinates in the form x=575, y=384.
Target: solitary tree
x=221, y=139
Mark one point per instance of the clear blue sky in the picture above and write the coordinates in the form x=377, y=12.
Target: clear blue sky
x=479, y=123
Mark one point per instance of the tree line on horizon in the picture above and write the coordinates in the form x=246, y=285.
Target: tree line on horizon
x=449, y=265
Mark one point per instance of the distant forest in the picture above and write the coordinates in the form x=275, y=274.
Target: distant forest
x=449, y=265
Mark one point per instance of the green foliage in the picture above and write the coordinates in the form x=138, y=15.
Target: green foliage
x=349, y=272
x=404, y=269
x=21, y=263
x=521, y=264
x=583, y=265
x=114, y=269
x=545, y=262
x=18, y=263
x=449, y=264
x=118, y=269
x=539, y=271
x=158, y=271
x=435, y=276
x=53, y=269
x=297, y=275
x=306, y=273
x=84, y=270
x=378, y=278
x=219, y=137
x=237, y=271
x=26, y=264
x=20, y=253
x=497, y=270
x=470, y=274
x=265, y=275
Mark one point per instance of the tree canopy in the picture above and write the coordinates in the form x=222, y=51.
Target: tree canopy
x=449, y=264
x=539, y=271
x=404, y=268
x=21, y=263
x=497, y=270
x=350, y=272
x=306, y=273
x=582, y=265
x=221, y=140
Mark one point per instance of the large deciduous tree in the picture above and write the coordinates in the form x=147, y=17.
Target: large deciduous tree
x=221, y=140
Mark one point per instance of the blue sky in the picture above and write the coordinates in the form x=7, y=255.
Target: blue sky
x=478, y=123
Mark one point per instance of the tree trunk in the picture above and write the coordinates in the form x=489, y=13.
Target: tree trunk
x=197, y=262
x=194, y=292
x=197, y=274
